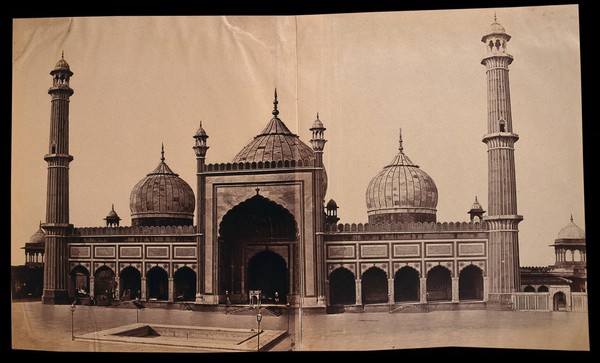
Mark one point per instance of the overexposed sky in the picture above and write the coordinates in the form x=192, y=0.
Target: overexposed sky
x=143, y=81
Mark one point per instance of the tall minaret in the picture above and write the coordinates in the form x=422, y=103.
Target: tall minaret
x=200, y=148
x=57, y=225
x=502, y=219
x=318, y=144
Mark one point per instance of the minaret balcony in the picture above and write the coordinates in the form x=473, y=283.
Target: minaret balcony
x=64, y=88
x=508, y=136
x=58, y=157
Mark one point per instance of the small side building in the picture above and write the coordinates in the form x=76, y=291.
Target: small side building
x=27, y=280
x=563, y=285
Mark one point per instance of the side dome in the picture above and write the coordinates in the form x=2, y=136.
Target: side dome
x=162, y=198
x=39, y=236
x=571, y=232
x=496, y=28
x=62, y=65
x=112, y=218
x=275, y=143
x=401, y=192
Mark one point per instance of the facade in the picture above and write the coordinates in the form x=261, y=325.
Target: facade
x=261, y=223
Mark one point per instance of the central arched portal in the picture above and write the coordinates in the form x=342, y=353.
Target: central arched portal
x=257, y=251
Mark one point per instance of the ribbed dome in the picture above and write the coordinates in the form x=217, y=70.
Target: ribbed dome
x=275, y=143
x=317, y=124
x=496, y=28
x=38, y=237
x=62, y=64
x=162, y=198
x=401, y=192
x=571, y=231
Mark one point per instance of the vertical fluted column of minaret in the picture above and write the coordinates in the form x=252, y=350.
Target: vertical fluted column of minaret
x=318, y=143
x=502, y=219
x=200, y=148
x=57, y=200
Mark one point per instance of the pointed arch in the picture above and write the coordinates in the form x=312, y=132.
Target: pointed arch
x=470, y=283
x=184, y=280
x=342, y=287
x=406, y=284
x=559, y=301
x=80, y=280
x=258, y=218
x=439, y=284
x=268, y=272
x=130, y=279
x=157, y=281
x=374, y=286
x=104, y=284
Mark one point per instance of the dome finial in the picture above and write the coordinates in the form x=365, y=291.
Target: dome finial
x=317, y=115
x=162, y=152
x=495, y=19
x=476, y=201
x=571, y=217
x=62, y=55
x=275, y=111
x=401, y=148
x=112, y=208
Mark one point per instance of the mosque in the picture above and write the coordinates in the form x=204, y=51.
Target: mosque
x=259, y=222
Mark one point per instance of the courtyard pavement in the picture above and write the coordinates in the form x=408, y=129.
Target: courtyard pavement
x=39, y=327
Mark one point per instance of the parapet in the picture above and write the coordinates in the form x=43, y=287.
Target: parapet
x=281, y=164
x=134, y=230
x=406, y=227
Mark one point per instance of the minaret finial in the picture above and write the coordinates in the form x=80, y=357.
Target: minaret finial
x=162, y=151
x=571, y=217
x=495, y=19
x=317, y=115
x=62, y=56
x=113, y=207
x=275, y=111
x=401, y=148
x=476, y=199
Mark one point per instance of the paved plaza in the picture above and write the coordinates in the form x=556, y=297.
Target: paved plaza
x=36, y=326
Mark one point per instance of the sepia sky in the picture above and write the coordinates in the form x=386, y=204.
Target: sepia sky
x=143, y=81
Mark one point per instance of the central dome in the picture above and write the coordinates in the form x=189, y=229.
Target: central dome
x=162, y=198
x=275, y=143
x=401, y=192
